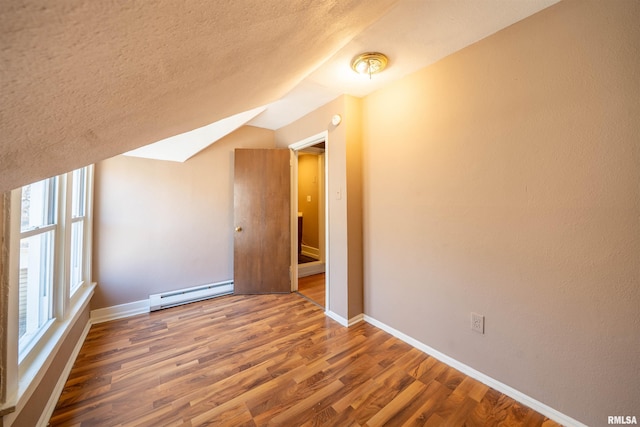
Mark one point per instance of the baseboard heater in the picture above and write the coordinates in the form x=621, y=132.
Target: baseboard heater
x=187, y=295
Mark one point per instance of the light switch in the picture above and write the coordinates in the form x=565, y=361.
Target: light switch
x=308, y=198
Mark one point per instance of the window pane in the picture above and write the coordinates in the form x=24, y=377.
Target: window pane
x=38, y=204
x=77, y=235
x=36, y=284
x=78, y=195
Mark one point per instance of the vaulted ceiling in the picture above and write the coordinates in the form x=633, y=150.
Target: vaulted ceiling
x=84, y=80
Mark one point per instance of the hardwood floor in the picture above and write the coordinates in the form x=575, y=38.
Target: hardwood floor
x=313, y=287
x=267, y=360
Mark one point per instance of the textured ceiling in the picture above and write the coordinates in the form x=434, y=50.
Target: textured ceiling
x=413, y=34
x=83, y=80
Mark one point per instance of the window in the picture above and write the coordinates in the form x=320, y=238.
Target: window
x=54, y=252
x=49, y=273
x=37, y=238
x=78, y=225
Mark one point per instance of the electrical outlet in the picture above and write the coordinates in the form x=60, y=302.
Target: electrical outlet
x=477, y=323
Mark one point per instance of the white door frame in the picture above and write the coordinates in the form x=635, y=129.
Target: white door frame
x=295, y=147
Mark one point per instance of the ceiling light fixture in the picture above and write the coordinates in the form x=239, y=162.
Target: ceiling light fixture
x=369, y=63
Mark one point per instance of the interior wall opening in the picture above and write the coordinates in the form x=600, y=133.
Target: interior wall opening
x=310, y=228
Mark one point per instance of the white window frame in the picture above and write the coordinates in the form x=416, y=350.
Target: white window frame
x=86, y=238
x=25, y=370
x=25, y=347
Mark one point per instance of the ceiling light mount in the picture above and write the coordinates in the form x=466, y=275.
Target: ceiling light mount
x=369, y=63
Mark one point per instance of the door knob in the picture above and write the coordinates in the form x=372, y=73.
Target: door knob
x=238, y=229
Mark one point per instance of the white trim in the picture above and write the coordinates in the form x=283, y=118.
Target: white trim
x=310, y=251
x=134, y=308
x=311, y=150
x=119, y=311
x=312, y=140
x=293, y=224
x=38, y=230
x=62, y=379
x=532, y=403
x=337, y=318
x=295, y=147
x=310, y=268
x=322, y=198
x=356, y=319
x=344, y=322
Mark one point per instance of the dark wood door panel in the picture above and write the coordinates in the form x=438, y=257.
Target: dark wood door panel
x=262, y=242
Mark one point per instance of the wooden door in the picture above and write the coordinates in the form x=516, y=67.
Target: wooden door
x=262, y=242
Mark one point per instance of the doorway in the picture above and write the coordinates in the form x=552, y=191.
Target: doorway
x=309, y=230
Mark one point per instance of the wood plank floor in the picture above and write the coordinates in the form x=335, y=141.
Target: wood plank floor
x=313, y=287
x=267, y=360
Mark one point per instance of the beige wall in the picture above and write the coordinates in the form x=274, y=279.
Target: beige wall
x=504, y=180
x=308, y=187
x=342, y=279
x=163, y=225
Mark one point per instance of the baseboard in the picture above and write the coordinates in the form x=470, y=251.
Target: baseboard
x=337, y=318
x=119, y=311
x=344, y=322
x=532, y=403
x=310, y=251
x=356, y=319
x=310, y=268
x=57, y=390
